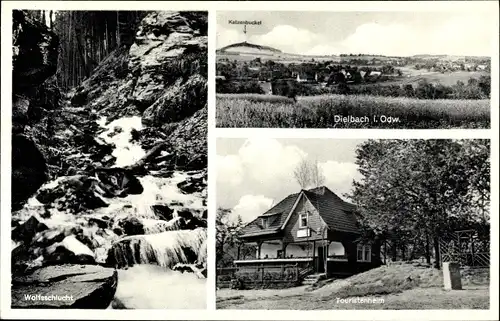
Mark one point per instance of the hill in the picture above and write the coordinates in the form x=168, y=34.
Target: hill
x=244, y=47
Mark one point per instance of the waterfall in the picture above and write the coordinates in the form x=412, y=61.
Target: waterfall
x=165, y=249
x=148, y=258
x=160, y=289
x=119, y=133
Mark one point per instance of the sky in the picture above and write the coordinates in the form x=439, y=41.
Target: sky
x=383, y=33
x=253, y=174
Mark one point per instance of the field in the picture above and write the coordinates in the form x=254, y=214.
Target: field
x=413, y=76
x=349, y=111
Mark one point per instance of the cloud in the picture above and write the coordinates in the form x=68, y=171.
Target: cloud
x=261, y=172
x=283, y=37
x=289, y=38
x=261, y=166
x=227, y=36
x=229, y=170
x=267, y=160
x=339, y=176
x=250, y=206
x=464, y=34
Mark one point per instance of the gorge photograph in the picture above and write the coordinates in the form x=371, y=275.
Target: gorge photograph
x=109, y=159
x=300, y=69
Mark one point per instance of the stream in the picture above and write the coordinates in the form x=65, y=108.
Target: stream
x=147, y=279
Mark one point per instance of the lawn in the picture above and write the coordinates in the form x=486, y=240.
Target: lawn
x=400, y=286
x=330, y=111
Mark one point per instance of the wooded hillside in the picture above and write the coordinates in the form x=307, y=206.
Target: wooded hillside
x=86, y=38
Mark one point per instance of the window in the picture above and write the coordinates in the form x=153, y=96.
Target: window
x=264, y=222
x=364, y=253
x=279, y=254
x=303, y=220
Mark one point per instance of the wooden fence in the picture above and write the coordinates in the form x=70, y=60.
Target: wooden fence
x=259, y=274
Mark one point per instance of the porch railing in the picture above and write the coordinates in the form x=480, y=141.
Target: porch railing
x=305, y=271
x=259, y=274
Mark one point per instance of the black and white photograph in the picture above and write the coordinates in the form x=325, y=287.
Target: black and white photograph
x=109, y=159
x=331, y=224
x=381, y=69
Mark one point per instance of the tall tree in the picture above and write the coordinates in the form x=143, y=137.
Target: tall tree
x=317, y=176
x=415, y=187
x=302, y=173
x=308, y=174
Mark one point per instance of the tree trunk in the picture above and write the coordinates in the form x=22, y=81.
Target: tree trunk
x=427, y=248
x=394, y=250
x=437, y=252
x=118, y=28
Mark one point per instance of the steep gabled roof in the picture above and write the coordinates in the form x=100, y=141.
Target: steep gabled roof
x=277, y=215
x=337, y=214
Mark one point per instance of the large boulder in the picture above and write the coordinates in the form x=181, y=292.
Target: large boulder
x=69, y=250
x=73, y=193
x=27, y=230
x=28, y=169
x=65, y=286
x=118, y=182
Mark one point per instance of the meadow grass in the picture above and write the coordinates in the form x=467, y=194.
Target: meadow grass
x=253, y=110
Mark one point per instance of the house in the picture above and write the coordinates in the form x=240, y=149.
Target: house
x=306, y=77
x=314, y=229
x=346, y=73
x=266, y=87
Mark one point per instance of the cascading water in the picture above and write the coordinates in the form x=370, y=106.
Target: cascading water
x=148, y=255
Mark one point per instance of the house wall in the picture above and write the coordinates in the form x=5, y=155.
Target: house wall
x=297, y=250
x=336, y=248
x=315, y=222
x=269, y=249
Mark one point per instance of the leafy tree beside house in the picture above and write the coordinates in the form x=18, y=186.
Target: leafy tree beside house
x=417, y=187
x=227, y=245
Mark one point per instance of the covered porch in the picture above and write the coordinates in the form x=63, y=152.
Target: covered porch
x=313, y=256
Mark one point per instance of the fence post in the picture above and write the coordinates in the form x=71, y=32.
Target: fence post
x=262, y=275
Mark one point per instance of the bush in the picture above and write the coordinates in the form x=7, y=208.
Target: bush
x=180, y=101
x=239, y=87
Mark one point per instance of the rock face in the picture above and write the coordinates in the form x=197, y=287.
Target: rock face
x=167, y=59
x=35, y=52
x=28, y=169
x=65, y=286
x=170, y=48
x=34, y=55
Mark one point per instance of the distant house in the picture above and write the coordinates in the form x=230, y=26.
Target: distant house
x=306, y=77
x=482, y=67
x=314, y=229
x=346, y=73
x=375, y=73
x=266, y=87
x=220, y=78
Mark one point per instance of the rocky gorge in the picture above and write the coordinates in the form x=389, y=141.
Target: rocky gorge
x=109, y=180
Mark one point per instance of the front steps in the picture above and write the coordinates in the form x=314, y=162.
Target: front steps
x=313, y=278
